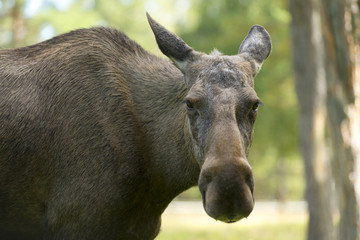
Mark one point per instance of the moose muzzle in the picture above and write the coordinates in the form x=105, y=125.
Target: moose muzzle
x=227, y=189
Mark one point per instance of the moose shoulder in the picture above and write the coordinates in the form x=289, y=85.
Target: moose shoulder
x=97, y=136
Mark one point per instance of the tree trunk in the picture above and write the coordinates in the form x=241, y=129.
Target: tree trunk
x=340, y=29
x=308, y=51
x=325, y=36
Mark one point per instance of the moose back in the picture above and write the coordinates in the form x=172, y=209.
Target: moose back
x=97, y=135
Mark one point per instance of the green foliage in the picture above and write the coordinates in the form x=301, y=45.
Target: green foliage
x=203, y=24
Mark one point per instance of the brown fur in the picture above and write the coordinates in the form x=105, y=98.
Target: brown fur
x=94, y=142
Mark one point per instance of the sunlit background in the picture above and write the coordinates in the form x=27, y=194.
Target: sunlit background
x=204, y=25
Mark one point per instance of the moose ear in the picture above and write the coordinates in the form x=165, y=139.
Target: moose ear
x=257, y=45
x=171, y=45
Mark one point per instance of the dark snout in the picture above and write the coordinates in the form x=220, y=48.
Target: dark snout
x=227, y=190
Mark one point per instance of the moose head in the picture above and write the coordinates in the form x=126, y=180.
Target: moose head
x=221, y=106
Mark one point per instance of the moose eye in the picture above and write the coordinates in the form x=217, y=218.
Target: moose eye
x=256, y=106
x=189, y=104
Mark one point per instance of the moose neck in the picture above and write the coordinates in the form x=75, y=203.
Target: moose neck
x=162, y=114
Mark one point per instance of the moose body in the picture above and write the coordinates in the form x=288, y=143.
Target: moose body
x=97, y=136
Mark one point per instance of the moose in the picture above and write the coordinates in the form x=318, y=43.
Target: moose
x=97, y=135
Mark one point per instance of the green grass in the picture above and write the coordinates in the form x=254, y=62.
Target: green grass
x=264, y=231
x=268, y=221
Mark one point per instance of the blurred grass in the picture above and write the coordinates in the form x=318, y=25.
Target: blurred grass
x=274, y=231
x=268, y=221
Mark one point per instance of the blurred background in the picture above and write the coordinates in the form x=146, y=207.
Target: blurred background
x=305, y=152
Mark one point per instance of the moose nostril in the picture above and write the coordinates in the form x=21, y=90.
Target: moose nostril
x=247, y=174
x=249, y=179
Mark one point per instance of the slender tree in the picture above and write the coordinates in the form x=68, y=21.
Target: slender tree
x=17, y=23
x=310, y=82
